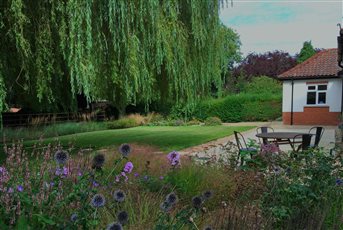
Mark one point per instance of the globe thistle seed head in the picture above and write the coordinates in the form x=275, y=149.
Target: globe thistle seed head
x=171, y=198
x=166, y=206
x=61, y=157
x=114, y=226
x=197, y=201
x=125, y=150
x=98, y=161
x=119, y=195
x=73, y=217
x=98, y=200
x=123, y=217
x=208, y=228
x=207, y=195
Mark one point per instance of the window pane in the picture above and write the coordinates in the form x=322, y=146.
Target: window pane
x=321, y=98
x=322, y=87
x=311, y=98
x=312, y=87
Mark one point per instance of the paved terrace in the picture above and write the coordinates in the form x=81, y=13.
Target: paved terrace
x=327, y=141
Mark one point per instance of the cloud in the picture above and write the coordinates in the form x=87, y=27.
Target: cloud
x=267, y=26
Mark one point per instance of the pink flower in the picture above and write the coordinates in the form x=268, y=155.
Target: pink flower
x=128, y=167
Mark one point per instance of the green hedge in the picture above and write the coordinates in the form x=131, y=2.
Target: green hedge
x=241, y=107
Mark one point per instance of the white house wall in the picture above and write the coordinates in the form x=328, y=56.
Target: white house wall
x=333, y=96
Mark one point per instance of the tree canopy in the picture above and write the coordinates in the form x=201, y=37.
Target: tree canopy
x=269, y=64
x=122, y=51
x=306, y=52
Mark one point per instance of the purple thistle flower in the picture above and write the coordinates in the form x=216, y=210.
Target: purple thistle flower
x=125, y=150
x=10, y=190
x=119, y=195
x=136, y=174
x=171, y=198
x=114, y=226
x=73, y=217
x=98, y=200
x=61, y=157
x=128, y=167
x=123, y=217
x=166, y=206
x=197, y=201
x=98, y=161
x=20, y=188
x=207, y=195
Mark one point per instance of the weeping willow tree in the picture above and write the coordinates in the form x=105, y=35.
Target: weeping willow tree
x=126, y=52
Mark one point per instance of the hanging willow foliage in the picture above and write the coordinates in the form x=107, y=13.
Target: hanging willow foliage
x=118, y=50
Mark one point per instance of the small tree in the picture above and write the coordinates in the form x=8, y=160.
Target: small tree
x=306, y=52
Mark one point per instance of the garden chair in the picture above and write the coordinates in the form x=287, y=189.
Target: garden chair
x=243, y=149
x=264, y=129
x=305, y=142
x=318, y=133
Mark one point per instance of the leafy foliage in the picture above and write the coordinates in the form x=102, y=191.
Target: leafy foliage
x=263, y=85
x=123, y=51
x=269, y=64
x=306, y=52
x=241, y=107
x=212, y=121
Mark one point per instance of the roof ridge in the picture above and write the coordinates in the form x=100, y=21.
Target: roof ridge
x=304, y=68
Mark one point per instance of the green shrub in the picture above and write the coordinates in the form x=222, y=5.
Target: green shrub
x=212, y=121
x=122, y=123
x=263, y=85
x=194, y=122
x=241, y=107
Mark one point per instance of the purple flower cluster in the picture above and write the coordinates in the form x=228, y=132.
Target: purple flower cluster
x=174, y=158
x=63, y=172
x=4, y=176
x=270, y=148
x=127, y=170
x=128, y=167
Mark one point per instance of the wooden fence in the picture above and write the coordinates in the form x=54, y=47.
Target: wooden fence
x=18, y=119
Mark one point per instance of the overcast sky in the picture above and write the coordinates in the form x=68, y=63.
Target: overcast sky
x=267, y=25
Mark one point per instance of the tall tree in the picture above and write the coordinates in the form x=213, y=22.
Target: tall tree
x=122, y=51
x=269, y=64
x=306, y=52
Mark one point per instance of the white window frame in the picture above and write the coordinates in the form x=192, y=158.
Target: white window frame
x=315, y=90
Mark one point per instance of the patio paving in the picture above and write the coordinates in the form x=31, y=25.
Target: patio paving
x=327, y=141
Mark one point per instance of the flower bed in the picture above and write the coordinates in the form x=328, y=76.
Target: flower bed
x=134, y=187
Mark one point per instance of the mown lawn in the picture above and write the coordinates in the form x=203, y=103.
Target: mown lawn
x=167, y=138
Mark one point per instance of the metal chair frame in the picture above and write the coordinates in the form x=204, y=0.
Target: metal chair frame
x=305, y=142
x=240, y=140
x=318, y=134
x=263, y=129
